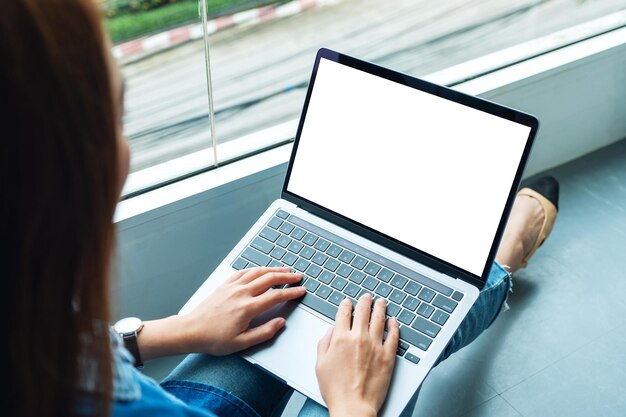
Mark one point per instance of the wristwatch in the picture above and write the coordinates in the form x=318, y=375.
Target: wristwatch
x=128, y=328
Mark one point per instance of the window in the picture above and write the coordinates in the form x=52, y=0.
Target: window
x=259, y=56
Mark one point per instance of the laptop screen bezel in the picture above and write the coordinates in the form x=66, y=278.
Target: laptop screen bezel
x=440, y=91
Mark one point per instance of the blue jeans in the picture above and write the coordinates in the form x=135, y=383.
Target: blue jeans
x=231, y=386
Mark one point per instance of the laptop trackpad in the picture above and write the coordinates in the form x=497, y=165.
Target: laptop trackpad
x=292, y=353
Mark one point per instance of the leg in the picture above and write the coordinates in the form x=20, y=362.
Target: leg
x=529, y=224
x=223, y=384
x=490, y=302
x=312, y=409
x=522, y=229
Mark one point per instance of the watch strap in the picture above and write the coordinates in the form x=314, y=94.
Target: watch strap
x=130, y=342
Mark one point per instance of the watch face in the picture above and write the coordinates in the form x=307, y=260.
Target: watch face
x=128, y=325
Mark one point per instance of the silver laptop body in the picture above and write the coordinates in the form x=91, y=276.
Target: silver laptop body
x=396, y=186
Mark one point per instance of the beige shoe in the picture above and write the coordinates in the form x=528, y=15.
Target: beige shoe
x=546, y=191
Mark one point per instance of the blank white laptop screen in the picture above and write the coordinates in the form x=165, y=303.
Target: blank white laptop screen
x=426, y=171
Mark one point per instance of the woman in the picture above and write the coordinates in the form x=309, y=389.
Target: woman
x=63, y=166
x=64, y=162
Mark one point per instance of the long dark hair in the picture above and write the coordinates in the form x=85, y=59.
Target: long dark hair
x=59, y=179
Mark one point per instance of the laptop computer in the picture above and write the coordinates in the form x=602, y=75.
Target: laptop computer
x=397, y=187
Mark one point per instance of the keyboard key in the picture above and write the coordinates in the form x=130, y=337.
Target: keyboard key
x=336, y=298
x=400, y=352
x=295, y=246
x=397, y=296
x=311, y=285
x=411, y=357
x=297, y=233
x=282, y=214
x=334, y=251
x=385, y=275
x=384, y=289
x=339, y=283
x=412, y=288
x=289, y=259
x=393, y=309
x=262, y=245
x=323, y=292
x=275, y=223
x=286, y=228
x=370, y=283
x=425, y=310
x=344, y=271
x=301, y=265
x=357, y=276
x=359, y=262
x=322, y=245
x=427, y=327
x=275, y=264
x=406, y=317
x=457, y=296
x=351, y=290
x=240, y=263
x=403, y=345
x=399, y=281
x=435, y=285
x=445, y=303
x=426, y=294
x=307, y=252
x=440, y=317
x=332, y=264
x=363, y=292
x=410, y=303
x=326, y=277
x=319, y=258
x=321, y=306
x=314, y=270
x=256, y=257
x=415, y=338
x=372, y=268
x=309, y=239
x=346, y=256
x=283, y=241
x=278, y=253
x=269, y=234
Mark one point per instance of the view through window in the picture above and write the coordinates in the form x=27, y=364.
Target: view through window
x=261, y=54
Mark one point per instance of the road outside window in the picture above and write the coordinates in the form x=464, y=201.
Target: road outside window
x=261, y=54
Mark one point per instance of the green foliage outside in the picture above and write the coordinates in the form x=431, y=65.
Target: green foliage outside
x=129, y=19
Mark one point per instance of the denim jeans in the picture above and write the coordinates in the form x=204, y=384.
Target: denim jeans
x=231, y=386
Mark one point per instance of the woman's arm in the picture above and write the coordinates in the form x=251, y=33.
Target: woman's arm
x=221, y=323
x=354, y=365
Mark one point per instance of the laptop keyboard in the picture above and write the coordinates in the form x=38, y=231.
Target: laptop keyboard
x=334, y=269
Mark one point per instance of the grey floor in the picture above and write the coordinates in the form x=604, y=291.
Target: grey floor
x=561, y=348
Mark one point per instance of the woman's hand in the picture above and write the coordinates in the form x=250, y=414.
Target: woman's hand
x=354, y=365
x=221, y=323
